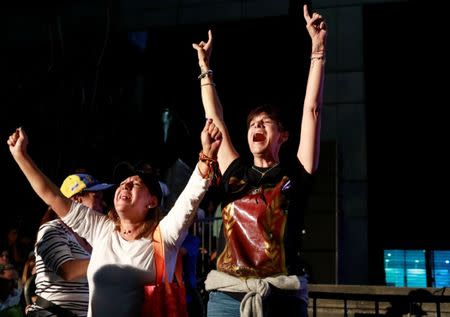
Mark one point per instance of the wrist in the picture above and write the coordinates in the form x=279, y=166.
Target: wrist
x=208, y=158
x=318, y=48
x=203, y=170
x=203, y=67
x=318, y=57
x=205, y=74
x=207, y=165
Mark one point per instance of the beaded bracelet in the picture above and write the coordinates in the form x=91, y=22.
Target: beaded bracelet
x=205, y=158
x=213, y=168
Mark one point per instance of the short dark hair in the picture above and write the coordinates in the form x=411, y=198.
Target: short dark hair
x=273, y=112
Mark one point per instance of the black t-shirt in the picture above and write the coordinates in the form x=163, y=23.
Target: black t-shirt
x=241, y=177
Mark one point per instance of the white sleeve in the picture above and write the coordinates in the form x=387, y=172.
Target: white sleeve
x=175, y=224
x=87, y=222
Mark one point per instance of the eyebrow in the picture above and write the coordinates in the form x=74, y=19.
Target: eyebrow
x=265, y=118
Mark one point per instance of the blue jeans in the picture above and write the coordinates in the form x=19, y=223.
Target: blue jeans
x=223, y=305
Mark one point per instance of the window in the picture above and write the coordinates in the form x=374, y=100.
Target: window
x=405, y=268
x=440, y=268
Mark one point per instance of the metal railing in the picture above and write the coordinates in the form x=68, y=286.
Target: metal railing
x=413, y=301
x=207, y=230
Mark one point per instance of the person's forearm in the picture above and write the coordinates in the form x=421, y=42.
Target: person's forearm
x=211, y=102
x=184, y=210
x=309, y=146
x=73, y=269
x=213, y=110
x=314, y=87
x=43, y=187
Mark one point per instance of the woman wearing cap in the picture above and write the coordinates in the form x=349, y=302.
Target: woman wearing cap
x=62, y=256
x=86, y=190
x=122, y=257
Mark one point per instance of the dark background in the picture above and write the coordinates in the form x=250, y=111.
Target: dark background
x=89, y=96
x=407, y=160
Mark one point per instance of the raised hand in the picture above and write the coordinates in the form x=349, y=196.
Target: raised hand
x=204, y=51
x=317, y=29
x=211, y=138
x=18, y=142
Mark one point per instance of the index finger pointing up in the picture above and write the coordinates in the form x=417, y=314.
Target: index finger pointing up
x=306, y=13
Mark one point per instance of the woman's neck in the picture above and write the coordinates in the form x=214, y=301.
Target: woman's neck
x=130, y=229
x=133, y=231
x=260, y=162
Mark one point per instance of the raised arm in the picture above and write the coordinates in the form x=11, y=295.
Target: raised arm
x=44, y=187
x=309, y=146
x=211, y=103
x=184, y=210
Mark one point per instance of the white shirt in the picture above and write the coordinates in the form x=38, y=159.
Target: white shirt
x=118, y=268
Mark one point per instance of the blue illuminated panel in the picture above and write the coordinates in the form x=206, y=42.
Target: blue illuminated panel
x=405, y=268
x=440, y=268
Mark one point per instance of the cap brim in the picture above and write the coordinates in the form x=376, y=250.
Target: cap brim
x=122, y=171
x=99, y=187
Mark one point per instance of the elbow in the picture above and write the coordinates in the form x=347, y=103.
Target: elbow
x=316, y=111
x=313, y=105
x=310, y=163
x=311, y=169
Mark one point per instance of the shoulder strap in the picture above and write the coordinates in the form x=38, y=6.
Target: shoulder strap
x=158, y=249
x=158, y=246
x=179, y=269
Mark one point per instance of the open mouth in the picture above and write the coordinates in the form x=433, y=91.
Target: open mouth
x=124, y=196
x=259, y=137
